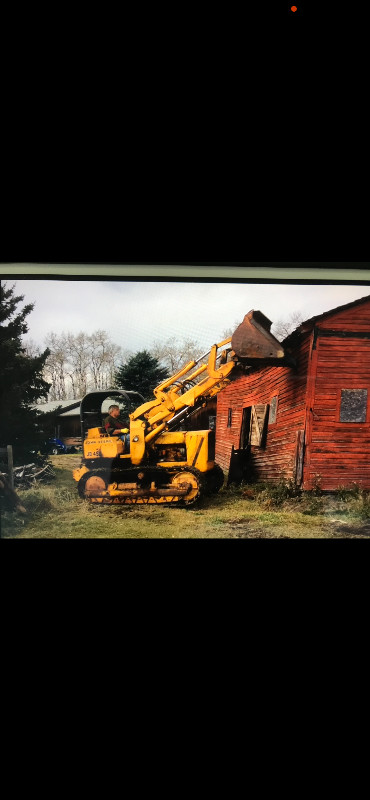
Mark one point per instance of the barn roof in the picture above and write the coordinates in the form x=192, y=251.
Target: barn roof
x=306, y=326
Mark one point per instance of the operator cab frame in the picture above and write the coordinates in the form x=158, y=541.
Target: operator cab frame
x=92, y=414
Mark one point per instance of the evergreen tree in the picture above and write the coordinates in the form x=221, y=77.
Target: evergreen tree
x=142, y=374
x=21, y=381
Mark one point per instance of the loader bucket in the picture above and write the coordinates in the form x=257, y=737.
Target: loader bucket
x=252, y=341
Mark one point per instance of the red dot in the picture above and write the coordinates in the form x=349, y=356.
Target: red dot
x=294, y=8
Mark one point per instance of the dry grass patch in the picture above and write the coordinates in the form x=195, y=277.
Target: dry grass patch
x=256, y=512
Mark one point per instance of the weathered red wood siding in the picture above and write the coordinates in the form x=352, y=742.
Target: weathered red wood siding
x=277, y=460
x=338, y=453
x=309, y=402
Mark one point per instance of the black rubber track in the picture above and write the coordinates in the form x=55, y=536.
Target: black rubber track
x=214, y=480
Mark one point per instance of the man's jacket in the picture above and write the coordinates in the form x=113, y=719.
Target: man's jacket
x=112, y=424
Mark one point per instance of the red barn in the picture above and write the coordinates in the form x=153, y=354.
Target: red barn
x=308, y=422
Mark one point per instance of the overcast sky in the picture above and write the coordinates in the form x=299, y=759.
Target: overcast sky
x=136, y=313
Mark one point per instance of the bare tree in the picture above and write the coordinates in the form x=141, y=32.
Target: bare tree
x=79, y=363
x=115, y=355
x=31, y=348
x=78, y=353
x=99, y=342
x=105, y=356
x=283, y=327
x=174, y=354
x=229, y=331
x=55, y=367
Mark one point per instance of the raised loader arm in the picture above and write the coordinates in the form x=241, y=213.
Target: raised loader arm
x=175, y=396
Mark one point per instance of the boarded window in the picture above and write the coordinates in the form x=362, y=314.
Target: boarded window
x=273, y=410
x=229, y=418
x=353, y=405
x=258, y=425
x=253, y=428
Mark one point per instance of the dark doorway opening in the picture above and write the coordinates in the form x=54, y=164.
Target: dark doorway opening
x=240, y=460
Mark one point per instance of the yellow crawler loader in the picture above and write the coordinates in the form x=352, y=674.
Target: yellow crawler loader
x=165, y=464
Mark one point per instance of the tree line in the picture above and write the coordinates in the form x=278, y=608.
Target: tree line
x=79, y=363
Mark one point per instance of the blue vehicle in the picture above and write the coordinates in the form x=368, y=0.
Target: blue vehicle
x=56, y=447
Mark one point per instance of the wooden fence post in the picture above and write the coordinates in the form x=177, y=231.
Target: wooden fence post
x=10, y=466
x=8, y=451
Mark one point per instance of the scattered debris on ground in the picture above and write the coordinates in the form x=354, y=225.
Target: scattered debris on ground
x=30, y=474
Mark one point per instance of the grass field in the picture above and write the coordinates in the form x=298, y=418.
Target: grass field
x=55, y=511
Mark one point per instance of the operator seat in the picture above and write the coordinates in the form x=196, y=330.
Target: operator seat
x=93, y=420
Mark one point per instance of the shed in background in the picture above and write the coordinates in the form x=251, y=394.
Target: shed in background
x=67, y=421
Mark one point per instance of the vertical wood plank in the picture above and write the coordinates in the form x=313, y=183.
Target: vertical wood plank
x=299, y=457
x=311, y=381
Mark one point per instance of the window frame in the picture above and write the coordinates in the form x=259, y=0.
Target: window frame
x=340, y=401
x=251, y=427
